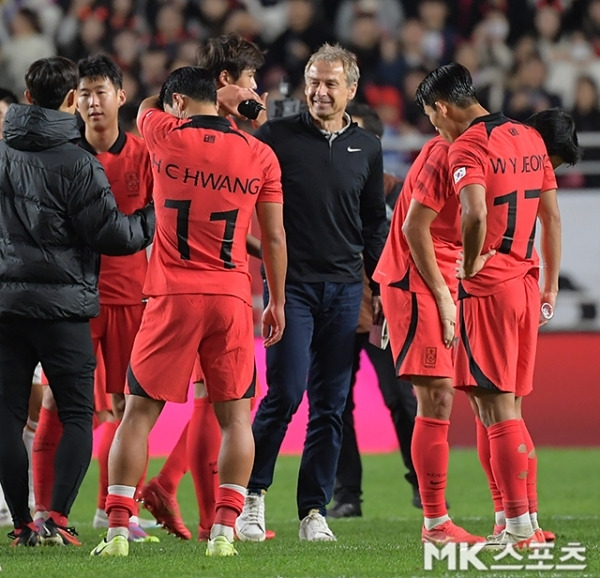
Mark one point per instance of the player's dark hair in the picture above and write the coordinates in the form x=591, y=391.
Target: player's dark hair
x=451, y=83
x=192, y=81
x=101, y=66
x=557, y=128
x=8, y=96
x=230, y=52
x=370, y=119
x=49, y=80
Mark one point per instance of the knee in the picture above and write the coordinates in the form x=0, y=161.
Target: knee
x=435, y=402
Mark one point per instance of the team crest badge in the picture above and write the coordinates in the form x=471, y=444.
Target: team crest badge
x=430, y=356
x=133, y=182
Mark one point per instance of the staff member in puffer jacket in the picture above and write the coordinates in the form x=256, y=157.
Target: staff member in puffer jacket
x=57, y=214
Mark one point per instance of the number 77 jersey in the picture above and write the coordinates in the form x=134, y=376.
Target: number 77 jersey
x=510, y=161
x=208, y=178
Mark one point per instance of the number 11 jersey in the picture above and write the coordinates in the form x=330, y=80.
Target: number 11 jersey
x=208, y=178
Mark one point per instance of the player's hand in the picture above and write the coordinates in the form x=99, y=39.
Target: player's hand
x=273, y=324
x=262, y=115
x=550, y=298
x=230, y=96
x=447, y=311
x=480, y=262
x=377, y=309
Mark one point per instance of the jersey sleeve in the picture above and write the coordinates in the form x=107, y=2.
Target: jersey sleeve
x=467, y=159
x=154, y=125
x=431, y=185
x=271, y=191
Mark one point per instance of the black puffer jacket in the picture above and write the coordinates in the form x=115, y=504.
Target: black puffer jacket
x=57, y=214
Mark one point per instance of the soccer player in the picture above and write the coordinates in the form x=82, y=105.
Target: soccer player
x=334, y=210
x=57, y=215
x=416, y=273
x=503, y=175
x=209, y=178
x=233, y=61
x=557, y=128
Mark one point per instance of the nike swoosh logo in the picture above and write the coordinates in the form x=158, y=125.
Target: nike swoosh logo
x=351, y=150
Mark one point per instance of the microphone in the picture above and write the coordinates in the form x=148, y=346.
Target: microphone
x=250, y=108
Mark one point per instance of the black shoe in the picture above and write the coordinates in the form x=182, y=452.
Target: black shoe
x=344, y=510
x=24, y=537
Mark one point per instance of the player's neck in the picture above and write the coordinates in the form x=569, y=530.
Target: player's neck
x=471, y=113
x=195, y=108
x=102, y=141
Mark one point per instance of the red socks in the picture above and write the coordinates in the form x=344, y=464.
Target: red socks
x=430, y=453
x=483, y=451
x=203, y=444
x=45, y=444
x=108, y=433
x=176, y=465
x=230, y=504
x=119, y=510
x=508, y=459
x=531, y=470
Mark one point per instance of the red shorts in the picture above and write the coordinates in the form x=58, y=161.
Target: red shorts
x=498, y=339
x=176, y=329
x=416, y=334
x=113, y=332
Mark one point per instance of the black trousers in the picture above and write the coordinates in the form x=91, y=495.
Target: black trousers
x=65, y=350
x=399, y=398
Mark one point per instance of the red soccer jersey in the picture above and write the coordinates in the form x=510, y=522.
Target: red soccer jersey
x=510, y=160
x=427, y=182
x=208, y=179
x=127, y=167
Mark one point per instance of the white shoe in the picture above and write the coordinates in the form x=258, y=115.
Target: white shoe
x=250, y=524
x=314, y=528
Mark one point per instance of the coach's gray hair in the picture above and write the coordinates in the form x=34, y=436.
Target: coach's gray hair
x=332, y=53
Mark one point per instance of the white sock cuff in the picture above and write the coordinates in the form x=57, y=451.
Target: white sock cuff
x=234, y=487
x=118, y=490
x=32, y=425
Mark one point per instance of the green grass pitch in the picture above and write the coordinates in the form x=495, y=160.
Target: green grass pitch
x=384, y=542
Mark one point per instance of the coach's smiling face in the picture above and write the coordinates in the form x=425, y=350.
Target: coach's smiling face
x=327, y=91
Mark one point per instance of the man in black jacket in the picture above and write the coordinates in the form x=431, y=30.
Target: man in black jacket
x=57, y=214
x=334, y=211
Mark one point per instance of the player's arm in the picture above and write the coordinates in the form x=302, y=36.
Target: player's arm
x=274, y=254
x=147, y=104
x=417, y=231
x=473, y=223
x=253, y=246
x=550, y=244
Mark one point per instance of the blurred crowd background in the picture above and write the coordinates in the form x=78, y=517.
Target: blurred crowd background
x=525, y=55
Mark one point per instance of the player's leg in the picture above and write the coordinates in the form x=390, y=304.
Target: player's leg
x=33, y=418
x=204, y=441
x=348, y=476
x=47, y=437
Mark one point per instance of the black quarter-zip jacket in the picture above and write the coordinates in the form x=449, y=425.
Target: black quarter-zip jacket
x=333, y=199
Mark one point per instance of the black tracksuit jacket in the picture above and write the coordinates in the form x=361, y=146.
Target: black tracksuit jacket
x=334, y=205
